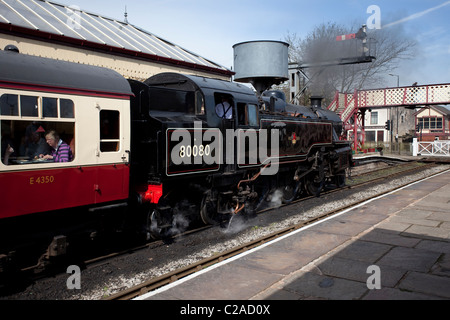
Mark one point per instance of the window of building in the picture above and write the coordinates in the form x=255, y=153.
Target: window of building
x=370, y=136
x=374, y=117
x=429, y=123
x=380, y=136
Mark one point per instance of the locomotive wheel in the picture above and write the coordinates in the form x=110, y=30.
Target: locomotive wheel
x=314, y=185
x=340, y=180
x=155, y=228
x=208, y=211
x=290, y=192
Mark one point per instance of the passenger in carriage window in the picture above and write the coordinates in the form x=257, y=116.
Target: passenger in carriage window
x=7, y=153
x=61, y=151
x=6, y=150
x=36, y=144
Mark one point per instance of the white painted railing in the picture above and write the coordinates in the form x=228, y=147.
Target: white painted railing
x=433, y=148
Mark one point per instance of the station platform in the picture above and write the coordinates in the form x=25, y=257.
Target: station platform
x=394, y=247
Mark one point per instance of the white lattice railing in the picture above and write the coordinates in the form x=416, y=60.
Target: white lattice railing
x=340, y=102
x=347, y=104
x=433, y=148
x=402, y=96
x=349, y=109
x=334, y=105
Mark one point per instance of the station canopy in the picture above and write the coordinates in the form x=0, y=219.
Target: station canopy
x=69, y=24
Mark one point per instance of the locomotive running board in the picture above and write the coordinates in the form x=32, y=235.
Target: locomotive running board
x=108, y=207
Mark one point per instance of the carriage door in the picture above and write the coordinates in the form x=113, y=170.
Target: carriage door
x=112, y=156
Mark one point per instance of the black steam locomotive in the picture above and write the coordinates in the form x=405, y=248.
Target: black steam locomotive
x=189, y=159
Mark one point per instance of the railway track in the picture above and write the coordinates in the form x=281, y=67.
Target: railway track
x=158, y=282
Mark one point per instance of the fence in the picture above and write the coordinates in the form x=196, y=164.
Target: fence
x=433, y=148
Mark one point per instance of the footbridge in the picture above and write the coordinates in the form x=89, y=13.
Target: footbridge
x=351, y=107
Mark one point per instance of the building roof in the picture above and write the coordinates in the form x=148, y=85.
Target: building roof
x=441, y=109
x=52, y=21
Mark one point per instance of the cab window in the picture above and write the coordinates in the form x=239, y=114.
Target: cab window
x=248, y=114
x=252, y=114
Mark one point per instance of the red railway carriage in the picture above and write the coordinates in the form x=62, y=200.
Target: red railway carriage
x=89, y=108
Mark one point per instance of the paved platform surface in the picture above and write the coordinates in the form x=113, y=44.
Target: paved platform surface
x=399, y=243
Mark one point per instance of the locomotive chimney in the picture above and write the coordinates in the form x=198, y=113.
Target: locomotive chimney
x=316, y=101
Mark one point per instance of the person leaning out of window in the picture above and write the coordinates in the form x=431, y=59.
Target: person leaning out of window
x=61, y=151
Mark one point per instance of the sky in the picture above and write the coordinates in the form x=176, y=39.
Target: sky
x=210, y=28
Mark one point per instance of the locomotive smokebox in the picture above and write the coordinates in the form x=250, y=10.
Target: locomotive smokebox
x=261, y=63
x=316, y=101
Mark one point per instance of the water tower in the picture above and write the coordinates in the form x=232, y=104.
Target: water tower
x=261, y=63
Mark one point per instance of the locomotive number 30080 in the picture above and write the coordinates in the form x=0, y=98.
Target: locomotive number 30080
x=195, y=150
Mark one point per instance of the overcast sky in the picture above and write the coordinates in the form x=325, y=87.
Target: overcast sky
x=210, y=28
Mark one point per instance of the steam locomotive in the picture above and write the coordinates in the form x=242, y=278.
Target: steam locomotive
x=151, y=156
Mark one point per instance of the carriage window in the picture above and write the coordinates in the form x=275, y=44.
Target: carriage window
x=109, y=131
x=27, y=140
x=66, y=108
x=9, y=105
x=29, y=106
x=50, y=107
x=24, y=122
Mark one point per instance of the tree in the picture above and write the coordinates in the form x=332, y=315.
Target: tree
x=388, y=46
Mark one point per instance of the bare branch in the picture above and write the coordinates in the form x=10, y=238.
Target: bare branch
x=389, y=46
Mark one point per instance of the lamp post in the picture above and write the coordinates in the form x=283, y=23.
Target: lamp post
x=398, y=78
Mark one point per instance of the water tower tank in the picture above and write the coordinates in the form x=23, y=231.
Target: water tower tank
x=261, y=63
